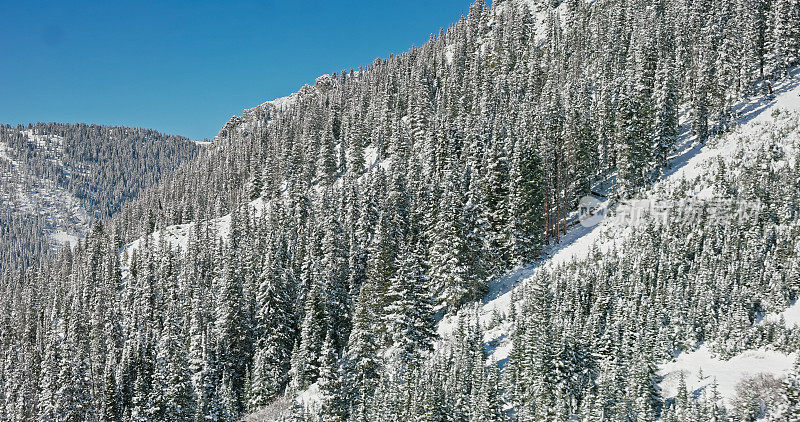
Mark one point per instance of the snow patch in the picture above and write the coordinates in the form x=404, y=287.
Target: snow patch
x=790, y=315
x=63, y=238
x=701, y=368
x=540, y=10
x=311, y=398
x=371, y=156
x=4, y=153
x=449, y=54
x=42, y=141
x=178, y=235
x=283, y=103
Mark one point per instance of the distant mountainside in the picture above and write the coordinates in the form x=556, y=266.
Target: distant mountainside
x=422, y=239
x=56, y=179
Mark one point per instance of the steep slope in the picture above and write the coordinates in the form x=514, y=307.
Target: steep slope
x=765, y=124
x=55, y=179
x=693, y=160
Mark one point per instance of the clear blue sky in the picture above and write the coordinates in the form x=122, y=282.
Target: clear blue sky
x=185, y=67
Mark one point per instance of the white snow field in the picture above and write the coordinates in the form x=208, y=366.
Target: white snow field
x=62, y=237
x=701, y=368
x=790, y=315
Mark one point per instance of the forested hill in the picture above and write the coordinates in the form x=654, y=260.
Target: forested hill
x=312, y=249
x=56, y=179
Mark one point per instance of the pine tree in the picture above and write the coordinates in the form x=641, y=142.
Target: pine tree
x=171, y=395
x=700, y=97
x=489, y=407
x=448, y=253
x=230, y=335
x=355, y=152
x=330, y=387
x=791, y=395
x=326, y=162
x=255, y=185
x=334, y=275
x=782, y=37
x=362, y=363
x=666, y=111
x=496, y=185
x=526, y=204
x=484, y=138
x=537, y=364
x=409, y=314
x=647, y=399
x=313, y=330
x=275, y=319
x=635, y=126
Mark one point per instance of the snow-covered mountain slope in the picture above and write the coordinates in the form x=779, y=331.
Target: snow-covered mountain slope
x=55, y=179
x=25, y=192
x=701, y=369
x=763, y=122
x=177, y=236
x=540, y=12
x=253, y=119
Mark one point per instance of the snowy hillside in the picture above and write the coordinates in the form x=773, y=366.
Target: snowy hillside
x=29, y=194
x=546, y=212
x=762, y=122
x=56, y=179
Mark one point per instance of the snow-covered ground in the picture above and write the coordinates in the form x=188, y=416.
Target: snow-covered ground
x=790, y=315
x=692, y=161
x=43, y=141
x=4, y=153
x=64, y=238
x=311, y=398
x=701, y=368
x=540, y=10
x=178, y=235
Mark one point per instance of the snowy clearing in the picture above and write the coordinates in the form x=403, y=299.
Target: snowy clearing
x=63, y=238
x=701, y=368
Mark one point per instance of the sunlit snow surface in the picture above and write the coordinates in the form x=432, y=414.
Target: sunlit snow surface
x=177, y=236
x=791, y=315
x=62, y=237
x=756, y=117
x=701, y=368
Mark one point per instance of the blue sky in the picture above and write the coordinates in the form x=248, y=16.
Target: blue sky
x=185, y=67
